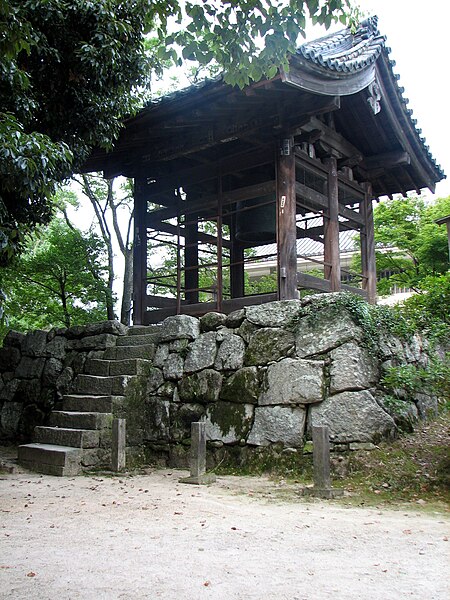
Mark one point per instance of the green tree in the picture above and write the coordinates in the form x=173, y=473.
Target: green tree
x=410, y=245
x=58, y=280
x=70, y=71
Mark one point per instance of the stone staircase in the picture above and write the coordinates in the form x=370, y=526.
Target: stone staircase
x=79, y=436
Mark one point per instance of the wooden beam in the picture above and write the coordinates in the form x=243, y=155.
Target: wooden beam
x=386, y=161
x=201, y=236
x=331, y=229
x=208, y=202
x=286, y=225
x=323, y=285
x=198, y=174
x=317, y=201
x=334, y=140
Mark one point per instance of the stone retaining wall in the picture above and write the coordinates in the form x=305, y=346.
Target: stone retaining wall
x=36, y=369
x=260, y=377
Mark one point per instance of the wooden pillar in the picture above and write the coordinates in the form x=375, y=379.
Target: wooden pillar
x=191, y=259
x=286, y=225
x=139, y=253
x=332, y=269
x=368, y=261
x=237, y=263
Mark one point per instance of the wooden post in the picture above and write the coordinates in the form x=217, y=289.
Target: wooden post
x=118, y=445
x=286, y=225
x=191, y=259
x=139, y=253
x=368, y=261
x=332, y=269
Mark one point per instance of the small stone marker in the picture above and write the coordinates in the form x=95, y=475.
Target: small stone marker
x=198, y=474
x=118, y=445
x=321, y=461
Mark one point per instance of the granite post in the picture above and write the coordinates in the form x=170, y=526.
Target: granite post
x=118, y=445
x=321, y=461
x=198, y=474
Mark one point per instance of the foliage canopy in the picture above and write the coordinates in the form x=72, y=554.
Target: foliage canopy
x=70, y=71
x=57, y=280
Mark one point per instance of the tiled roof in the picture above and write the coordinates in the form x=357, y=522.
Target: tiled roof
x=345, y=51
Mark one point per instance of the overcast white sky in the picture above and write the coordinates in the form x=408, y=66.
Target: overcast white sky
x=418, y=35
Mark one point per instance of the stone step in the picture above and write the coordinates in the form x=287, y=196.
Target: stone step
x=130, y=366
x=138, y=340
x=80, y=420
x=143, y=329
x=88, y=403
x=62, y=436
x=50, y=459
x=102, y=386
x=146, y=351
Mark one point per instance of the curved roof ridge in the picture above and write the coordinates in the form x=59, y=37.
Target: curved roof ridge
x=345, y=51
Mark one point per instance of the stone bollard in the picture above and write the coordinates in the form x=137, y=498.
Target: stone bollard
x=118, y=445
x=321, y=461
x=198, y=474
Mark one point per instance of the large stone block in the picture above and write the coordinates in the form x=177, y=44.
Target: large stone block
x=30, y=368
x=230, y=356
x=269, y=344
x=242, y=387
x=427, y=406
x=56, y=348
x=352, y=368
x=9, y=358
x=28, y=391
x=13, y=339
x=228, y=422
x=212, y=321
x=324, y=330
x=183, y=416
x=8, y=392
x=203, y=386
x=235, y=318
x=112, y=327
x=352, y=417
x=201, y=353
x=278, y=424
x=293, y=381
x=92, y=342
x=52, y=370
x=161, y=355
x=273, y=314
x=173, y=366
x=178, y=327
x=9, y=418
x=34, y=343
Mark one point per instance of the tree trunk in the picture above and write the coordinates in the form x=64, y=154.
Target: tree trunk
x=127, y=294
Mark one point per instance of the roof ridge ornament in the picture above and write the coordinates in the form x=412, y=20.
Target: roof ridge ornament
x=374, y=98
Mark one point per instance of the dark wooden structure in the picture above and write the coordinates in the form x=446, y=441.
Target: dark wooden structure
x=219, y=171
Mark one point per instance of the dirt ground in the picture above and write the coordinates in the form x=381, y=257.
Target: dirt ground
x=149, y=536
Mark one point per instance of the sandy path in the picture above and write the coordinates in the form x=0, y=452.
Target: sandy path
x=151, y=537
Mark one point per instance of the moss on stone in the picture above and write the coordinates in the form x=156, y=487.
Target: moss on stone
x=242, y=387
x=230, y=417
